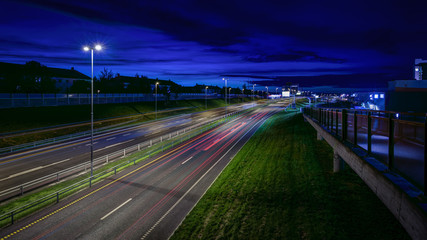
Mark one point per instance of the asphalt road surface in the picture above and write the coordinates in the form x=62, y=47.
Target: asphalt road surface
x=149, y=200
x=19, y=168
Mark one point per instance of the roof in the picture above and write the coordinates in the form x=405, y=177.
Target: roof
x=67, y=73
x=152, y=81
x=12, y=68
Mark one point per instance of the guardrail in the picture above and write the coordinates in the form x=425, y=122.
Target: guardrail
x=11, y=216
x=396, y=139
x=26, y=146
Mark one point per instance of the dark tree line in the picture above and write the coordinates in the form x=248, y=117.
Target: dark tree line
x=31, y=78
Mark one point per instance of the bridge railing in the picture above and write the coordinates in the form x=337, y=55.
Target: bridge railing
x=396, y=139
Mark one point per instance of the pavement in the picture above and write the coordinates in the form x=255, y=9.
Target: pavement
x=148, y=200
x=19, y=168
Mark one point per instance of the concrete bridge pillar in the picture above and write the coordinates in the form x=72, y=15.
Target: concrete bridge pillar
x=338, y=162
x=319, y=137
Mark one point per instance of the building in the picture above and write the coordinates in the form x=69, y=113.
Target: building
x=409, y=95
x=65, y=78
x=11, y=74
x=419, y=68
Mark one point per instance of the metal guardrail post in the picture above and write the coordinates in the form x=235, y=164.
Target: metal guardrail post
x=336, y=122
x=327, y=118
x=369, y=133
x=355, y=127
x=344, y=124
x=390, y=141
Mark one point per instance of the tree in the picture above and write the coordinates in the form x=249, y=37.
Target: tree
x=80, y=86
x=106, y=75
x=36, y=79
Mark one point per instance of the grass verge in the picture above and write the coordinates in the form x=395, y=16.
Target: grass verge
x=281, y=186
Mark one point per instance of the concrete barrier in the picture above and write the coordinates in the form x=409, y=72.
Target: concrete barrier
x=406, y=202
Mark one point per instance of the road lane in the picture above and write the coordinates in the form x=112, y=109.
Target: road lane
x=162, y=191
x=78, y=151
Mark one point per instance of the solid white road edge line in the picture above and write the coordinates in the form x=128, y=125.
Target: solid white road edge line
x=33, y=169
x=113, y=145
x=115, y=209
x=187, y=160
x=191, y=188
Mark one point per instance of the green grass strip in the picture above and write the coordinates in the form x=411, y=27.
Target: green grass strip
x=281, y=186
x=47, y=196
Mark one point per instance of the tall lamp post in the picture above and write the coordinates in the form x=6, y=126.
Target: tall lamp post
x=225, y=96
x=156, y=98
x=267, y=91
x=206, y=97
x=229, y=95
x=86, y=49
x=276, y=90
x=253, y=94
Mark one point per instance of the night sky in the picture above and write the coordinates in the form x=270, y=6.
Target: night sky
x=314, y=43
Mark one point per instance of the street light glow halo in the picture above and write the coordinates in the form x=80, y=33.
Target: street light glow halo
x=98, y=47
x=86, y=48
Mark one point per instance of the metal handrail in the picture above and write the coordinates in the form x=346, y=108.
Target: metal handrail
x=387, y=124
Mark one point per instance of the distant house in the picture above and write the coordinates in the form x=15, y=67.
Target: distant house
x=139, y=84
x=63, y=78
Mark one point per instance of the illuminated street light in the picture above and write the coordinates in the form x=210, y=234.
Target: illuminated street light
x=253, y=93
x=86, y=49
x=206, y=97
x=225, y=97
x=276, y=90
x=229, y=95
x=156, y=98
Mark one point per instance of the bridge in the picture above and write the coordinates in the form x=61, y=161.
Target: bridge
x=387, y=150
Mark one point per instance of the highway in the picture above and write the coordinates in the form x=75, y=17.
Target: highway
x=148, y=200
x=22, y=167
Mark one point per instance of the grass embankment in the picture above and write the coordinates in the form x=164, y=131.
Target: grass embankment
x=18, y=119
x=281, y=186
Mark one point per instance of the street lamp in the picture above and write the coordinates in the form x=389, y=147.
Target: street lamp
x=86, y=49
x=276, y=90
x=253, y=93
x=206, y=97
x=229, y=95
x=156, y=98
x=225, y=96
x=267, y=91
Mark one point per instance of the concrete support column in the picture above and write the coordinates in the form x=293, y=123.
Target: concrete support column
x=319, y=137
x=338, y=162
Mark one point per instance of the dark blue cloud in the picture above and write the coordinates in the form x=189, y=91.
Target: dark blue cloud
x=315, y=42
